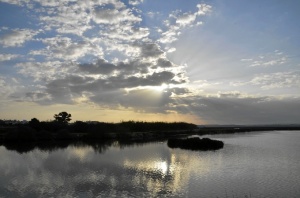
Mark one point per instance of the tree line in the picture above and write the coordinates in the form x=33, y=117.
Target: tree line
x=60, y=128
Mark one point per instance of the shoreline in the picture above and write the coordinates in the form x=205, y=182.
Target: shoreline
x=61, y=139
x=13, y=133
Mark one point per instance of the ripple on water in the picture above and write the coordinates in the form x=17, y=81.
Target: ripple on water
x=260, y=165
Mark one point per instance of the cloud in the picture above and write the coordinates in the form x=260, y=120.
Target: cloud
x=163, y=62
x=178, y=22
x=204, y=9
x=59, y=92
x=16, y=2
x=37, y=96
x=100, y=67
x=277, y=80
x=135, y=2
x=44, y=71
x=127, y=34
x=7, y=57
x=233, y=109
x=114, y=16
x=147, y=100
x=102, y=52
x=17, y=37
x=268, y=81
x=67, y=89
x=8, y=86
x=270, y=59
x=186, y=19
x=150, y=50
x=246, y=59
x=124, y=68
x=66, y=49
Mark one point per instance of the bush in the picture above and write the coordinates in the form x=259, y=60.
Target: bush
x=63, y=134
x=195, y=144
x=21, y=134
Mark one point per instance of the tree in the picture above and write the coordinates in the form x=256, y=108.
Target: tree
x=63, y=117
x=34, y=123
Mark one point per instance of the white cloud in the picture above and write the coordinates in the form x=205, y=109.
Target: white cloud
x=67, y=18
x=277, y=80
x=66, y=49
x=127, y=34
x=7, y=57
x=266, y=60
x=246, y=59
x=178, y=22
x=173, y=49
x=114, y=16
x=186, y=19
x=44, y=71
x=170, y=35
x=16, y=2
x=204, y=9
x=17, y=37
x=266, y=63
x=135, y=2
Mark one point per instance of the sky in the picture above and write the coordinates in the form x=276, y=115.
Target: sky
x=202, y=62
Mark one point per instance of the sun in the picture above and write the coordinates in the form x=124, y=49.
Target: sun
x=160, y=88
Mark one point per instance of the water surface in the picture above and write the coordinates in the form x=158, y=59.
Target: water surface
x=257, y=164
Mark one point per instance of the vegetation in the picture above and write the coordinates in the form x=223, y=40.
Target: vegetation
x=195, y=144
x=63, y=117
x=60, y=129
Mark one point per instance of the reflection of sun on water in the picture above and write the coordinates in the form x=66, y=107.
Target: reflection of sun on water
x=161, y=166
x=81, y=152
x=173, y=175
x=153, y=166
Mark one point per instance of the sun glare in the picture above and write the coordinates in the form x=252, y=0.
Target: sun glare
x=160, y=88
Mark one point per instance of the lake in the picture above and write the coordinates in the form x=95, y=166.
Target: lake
x=256, y=164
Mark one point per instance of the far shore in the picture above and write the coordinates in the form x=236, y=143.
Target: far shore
x=129, y=131
x=52, y=135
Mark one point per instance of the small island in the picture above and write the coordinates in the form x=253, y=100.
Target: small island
x=195, y=143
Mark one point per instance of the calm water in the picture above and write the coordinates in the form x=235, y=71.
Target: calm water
x=260, y=164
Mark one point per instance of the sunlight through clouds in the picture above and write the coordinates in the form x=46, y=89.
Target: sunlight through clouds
x=179, y=59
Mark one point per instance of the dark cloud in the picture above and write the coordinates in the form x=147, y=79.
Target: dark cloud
x=59, y=91
x=126, y=68
x=163, y=62
x=232, y=110
x=180, y=91
x=64, y=90
x=150, y=50
x=133, y=67
x=100, y=67
x=36, y=96
x=147, y=100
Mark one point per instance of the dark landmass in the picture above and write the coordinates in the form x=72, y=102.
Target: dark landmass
x=196, y=143
x=56, y=131
x=26, y=136
x=226, y=129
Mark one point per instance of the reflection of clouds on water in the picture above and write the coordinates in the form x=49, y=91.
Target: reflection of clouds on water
x=83, y=154
x=246, y=165
x=153, y=170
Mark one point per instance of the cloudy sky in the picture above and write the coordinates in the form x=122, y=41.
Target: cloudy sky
x=205, y=62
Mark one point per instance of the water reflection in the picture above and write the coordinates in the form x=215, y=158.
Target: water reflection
x=89, y=170
x=85, y=170
x=114, y=169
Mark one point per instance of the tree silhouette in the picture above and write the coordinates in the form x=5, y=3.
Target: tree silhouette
x=34, y=123
x=63, y=117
